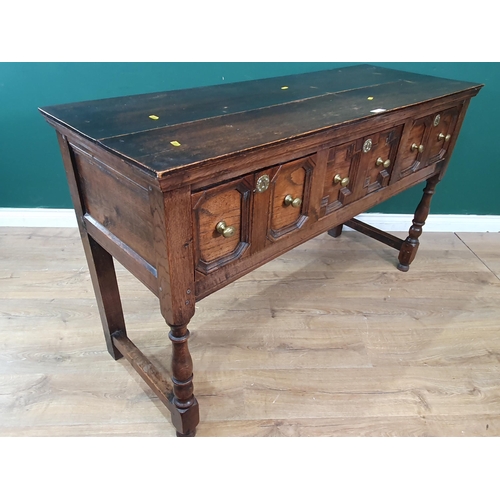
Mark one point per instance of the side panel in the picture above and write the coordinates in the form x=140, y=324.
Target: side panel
x=115, y=202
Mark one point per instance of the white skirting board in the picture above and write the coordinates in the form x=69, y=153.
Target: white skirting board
x=50, y=217
x=37, y=217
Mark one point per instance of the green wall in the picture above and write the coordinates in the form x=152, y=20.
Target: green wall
x=31, y=171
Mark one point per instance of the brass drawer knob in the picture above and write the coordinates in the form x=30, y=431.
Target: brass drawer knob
x=416, y=147
x=290, y=200
x=446, y=138
x=338, y=180
x=385, y=164
x=226, y=231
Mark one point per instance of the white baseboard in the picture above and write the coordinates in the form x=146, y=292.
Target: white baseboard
x=37, y=217
x=50, y=217
x=436, y=223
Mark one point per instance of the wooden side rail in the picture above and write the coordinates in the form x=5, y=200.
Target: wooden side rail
x=159, y=383
x=377, y=234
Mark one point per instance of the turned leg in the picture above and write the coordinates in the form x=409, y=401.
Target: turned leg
x=186, y=418
x=336, y=231
x=410, y=245
x=173, y=243
x=102, y=272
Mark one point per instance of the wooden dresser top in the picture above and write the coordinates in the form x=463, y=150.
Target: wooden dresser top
x=162, y=131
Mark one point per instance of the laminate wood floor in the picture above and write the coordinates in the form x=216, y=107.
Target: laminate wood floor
x=328, y=340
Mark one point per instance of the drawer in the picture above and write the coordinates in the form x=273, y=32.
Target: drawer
x=377, y=158
x=358, y=168
x=413, y=147
x=289, y=197
x=340, y=177
x=441, y=131
x=426, y=141
x=235, y=219
x=221, y=218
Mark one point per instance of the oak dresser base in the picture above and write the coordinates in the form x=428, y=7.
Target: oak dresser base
x=190, y=190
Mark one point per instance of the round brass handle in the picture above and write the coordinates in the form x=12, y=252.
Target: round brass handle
x=445, y=137
x=290, y=200
x=338, y=180
x=380, y=162
x=416, y=147
x=226, y=231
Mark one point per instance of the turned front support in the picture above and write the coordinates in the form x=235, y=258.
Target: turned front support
x=173, y=243
x=410, y=245
x=186, y=418
x=175, y=392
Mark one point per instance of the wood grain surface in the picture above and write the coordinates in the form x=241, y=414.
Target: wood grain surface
x=329, y=339
x=166, y=130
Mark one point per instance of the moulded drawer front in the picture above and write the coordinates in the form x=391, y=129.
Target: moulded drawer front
x=414, y=147
x=221, y=224
x=290, y=196
x=340, y=177
x=441, y=132
x=358, y=168
x=377, y=158
x=426, y=141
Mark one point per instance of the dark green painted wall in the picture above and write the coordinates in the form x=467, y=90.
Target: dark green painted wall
x=31, y=172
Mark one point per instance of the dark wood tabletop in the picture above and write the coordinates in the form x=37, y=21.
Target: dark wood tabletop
x=167, y=130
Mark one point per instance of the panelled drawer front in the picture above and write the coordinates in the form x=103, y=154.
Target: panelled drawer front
x=341, y=172
x=221, y=224
x=441, y=131
x=414, y=148
x=427, y=141
x=378, y=155
x=358, y=168
x=289, y=197
x=237, y=219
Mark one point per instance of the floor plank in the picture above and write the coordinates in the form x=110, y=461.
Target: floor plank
x=329, y=339
x=485, y=246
